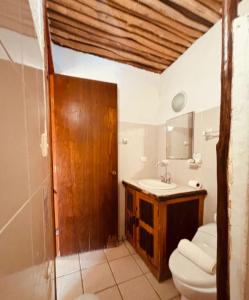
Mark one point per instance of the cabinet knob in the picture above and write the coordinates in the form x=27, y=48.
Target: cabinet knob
x=114, y=173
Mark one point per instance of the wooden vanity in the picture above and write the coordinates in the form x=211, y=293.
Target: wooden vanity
x=155, y=223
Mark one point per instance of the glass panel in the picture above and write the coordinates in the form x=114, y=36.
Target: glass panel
x=146, y=241
x=146, y=212
x=129, y=201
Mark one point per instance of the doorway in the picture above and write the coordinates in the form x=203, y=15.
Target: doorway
x=84, y=138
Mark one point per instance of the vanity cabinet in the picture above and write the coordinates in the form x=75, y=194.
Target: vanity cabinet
x=154, y=225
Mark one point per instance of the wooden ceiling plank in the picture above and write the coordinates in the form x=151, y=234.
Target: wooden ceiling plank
x=113, y=16
x=171, y=18
x=213, y=5
x=142, y=12
x=198, y=9
x=103, y=41
x=121, y=53
x=158, y=20
x=121, y=33
x=110, y=29
x=124, y=41
x=173, y=14
x=85, y=48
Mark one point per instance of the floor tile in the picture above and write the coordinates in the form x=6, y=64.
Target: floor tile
x=116, y=252
x=141, y=263
x=124, y=269
x=92, y=258
x=166, y=289
x=137, y=289
x=110, y=294
x=69, y=287
x=129, y=247
x=97, y=278
x=67, y=264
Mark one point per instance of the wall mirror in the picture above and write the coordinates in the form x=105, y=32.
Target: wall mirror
x=179, y=137
x=178, y=102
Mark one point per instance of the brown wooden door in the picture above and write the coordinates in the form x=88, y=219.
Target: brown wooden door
x=147, y=228
x=85, y=162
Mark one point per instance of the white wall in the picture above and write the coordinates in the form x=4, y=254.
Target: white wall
x=197, y=73
x=138, y=90
x=37, y=14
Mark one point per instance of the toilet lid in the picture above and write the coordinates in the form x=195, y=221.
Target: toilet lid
x=186, y=271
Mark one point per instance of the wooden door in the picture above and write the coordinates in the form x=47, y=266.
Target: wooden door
x=147, y=228
x=85, y=162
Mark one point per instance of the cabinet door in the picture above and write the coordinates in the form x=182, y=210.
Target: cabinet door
x=147, y=228
x=130, y=215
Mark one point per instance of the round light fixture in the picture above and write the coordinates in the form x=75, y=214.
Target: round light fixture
x=178, y=102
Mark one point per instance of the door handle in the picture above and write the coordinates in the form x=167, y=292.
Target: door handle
x=114, y=173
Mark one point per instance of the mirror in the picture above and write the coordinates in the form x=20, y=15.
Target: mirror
x=179, y=137
x=178, y=102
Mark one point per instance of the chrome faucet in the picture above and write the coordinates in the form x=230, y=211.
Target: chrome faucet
x=166, y=178
x=167, y=175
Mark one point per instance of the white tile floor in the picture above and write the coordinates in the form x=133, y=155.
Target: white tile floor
x=113, y=274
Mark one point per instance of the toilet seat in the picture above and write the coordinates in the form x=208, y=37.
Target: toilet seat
x=187, y=272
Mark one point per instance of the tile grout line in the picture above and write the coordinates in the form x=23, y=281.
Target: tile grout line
x=144, y=274
x=22, y=207
x=81, y=277
x=153, y=287
x=114, y=276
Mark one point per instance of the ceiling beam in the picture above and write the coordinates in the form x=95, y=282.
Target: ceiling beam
x=128, y=22
x=116, y=46
x=122, y=54
x=108, y=37
x=143, y=12
x=111, y=29
x=101, y=52
x=198, y=9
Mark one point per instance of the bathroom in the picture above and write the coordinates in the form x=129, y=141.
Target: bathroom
x=56, y=245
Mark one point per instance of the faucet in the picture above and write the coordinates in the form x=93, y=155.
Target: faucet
x=167, y=175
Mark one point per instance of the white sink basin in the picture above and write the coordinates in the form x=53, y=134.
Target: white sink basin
x=156, y=184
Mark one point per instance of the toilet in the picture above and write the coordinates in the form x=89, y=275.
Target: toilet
x=191, y=281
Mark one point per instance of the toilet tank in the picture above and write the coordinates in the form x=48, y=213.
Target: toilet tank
x=206, y=238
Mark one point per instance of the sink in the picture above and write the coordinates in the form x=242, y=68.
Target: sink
x=156, y=184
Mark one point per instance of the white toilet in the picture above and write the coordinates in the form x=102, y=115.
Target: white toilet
x=192, y=282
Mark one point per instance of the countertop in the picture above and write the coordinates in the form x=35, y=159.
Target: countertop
x=162, y=195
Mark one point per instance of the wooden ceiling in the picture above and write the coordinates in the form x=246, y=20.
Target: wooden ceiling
x=148, y=34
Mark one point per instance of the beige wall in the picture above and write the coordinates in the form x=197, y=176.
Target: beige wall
x=26, y=227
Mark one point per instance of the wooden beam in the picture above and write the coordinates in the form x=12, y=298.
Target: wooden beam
x=155, y=45
x=198, y=9
x=223, y=286
x=163, y=14
x=110, y=44
x=102, y=53
x=122, y=54
x=115, y=17
x=175, y=26
x=173, y=14
x=155, y=18
x=213, y=5
x=109, y=37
